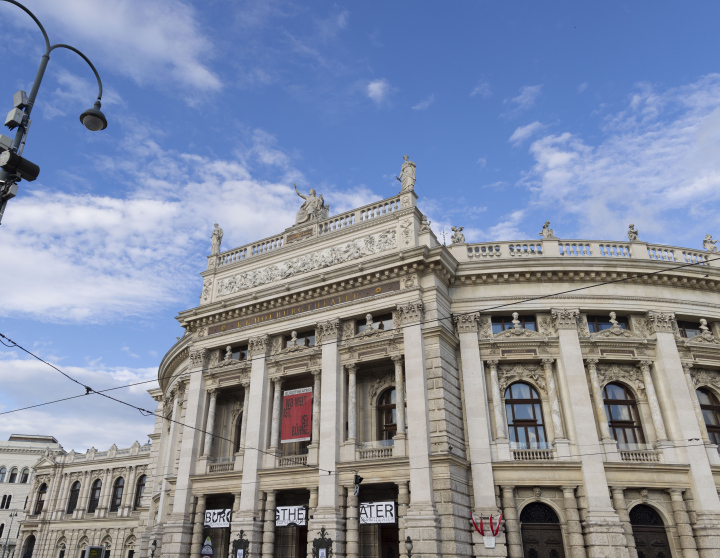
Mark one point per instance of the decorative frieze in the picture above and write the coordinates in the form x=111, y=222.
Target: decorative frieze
x=467, y=323
x=411, y=312
x=258, y=346
x=565, y=318
x=704, y=377
x=663, y=322
x=358, y=248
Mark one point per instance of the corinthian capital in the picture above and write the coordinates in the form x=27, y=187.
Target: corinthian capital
x=327, y=332
x=565, y=318
x=411, y=312
x=258, y=346
x=198, y=357
x=661, y=321
x=467, y=323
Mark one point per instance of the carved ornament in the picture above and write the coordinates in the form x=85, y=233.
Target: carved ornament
x=485, y=327
x=626, y=373
x=258, y=346
x=509, y=373
x=467, y=323
x=198, y=357
x=661, y=322
x=411, y=312
x=565, y=318
x=328, y=331
x=703, y=377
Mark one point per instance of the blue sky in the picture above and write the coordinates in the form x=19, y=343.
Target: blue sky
x=589, y=115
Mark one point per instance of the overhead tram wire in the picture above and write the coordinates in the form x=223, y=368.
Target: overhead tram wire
x=146, y=412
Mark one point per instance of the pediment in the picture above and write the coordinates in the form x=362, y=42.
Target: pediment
x=704, y=339
x=616, y=334
x=519, y=334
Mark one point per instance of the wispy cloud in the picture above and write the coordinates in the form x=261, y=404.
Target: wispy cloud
x=525, y=99
x=481, y=162
x=524, y=132
x=582, y=87
x=378, y=90
x=424, y=105
x=482, y=89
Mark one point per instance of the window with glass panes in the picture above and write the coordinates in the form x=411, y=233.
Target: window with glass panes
x=139, y=489
x=13, y=475
x=622, y=415
x=501, y=323
x=304, y=339
x=94, y=496
x=240, y=353
x=382, y=323
x=117, y=493
x=74, y=495
x=42, y=492
x=386, y=415
x=710, y=407
x=601, y=323
x=688, y=329
x=24, y=475
x=524, y=416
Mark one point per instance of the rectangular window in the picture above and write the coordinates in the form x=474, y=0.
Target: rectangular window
x=240, y=353
x=383, y=323
x=501, y=323
x=304, y=339
x=601, y=323
x=688, y=329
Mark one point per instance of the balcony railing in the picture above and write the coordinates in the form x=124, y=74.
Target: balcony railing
x=293, y=461
x=540, y=451
x=638, y=453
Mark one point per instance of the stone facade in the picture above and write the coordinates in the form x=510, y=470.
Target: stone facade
x=470, y=378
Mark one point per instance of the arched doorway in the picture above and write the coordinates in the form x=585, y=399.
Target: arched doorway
x=29, y=547
x=541, y=535
x=649, y=531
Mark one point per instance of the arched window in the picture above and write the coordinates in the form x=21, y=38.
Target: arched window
x=537, y=512
x=42, y=492
x=7, y=504
x=74, y=495
x=94, y=496
x=139, y=491
x=117, y=494
x=29, y=547
x=649, y=533
x=3, y=472
x=25, y=475
x=13, y=475
x=386, y=415
x=238, y=432
x=622, y=415
x=2, y=504
x=524, y=416
x=711, y=413
x=2, y=528
x=541, y=534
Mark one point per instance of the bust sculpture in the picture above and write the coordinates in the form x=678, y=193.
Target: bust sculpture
x=633, y=233
x=457, y=237
x=216, y=240
x=313, y=208
x=407, y=175
x=547, y=232
x=709, y=243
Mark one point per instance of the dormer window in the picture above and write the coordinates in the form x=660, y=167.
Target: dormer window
x=382, y=323
x=601, y=323
x=502, y=323
x=302, y=339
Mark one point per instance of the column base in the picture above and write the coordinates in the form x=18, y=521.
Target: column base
x=334, y=526
x=562, y=448
x=422, y=525
x=604, y=535
x=400, y=445
x=478, y=541
x=177, y=537
x=707, y=534
x=611, y=450
x=503, y=449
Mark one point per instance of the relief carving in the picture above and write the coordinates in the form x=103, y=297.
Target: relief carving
x=466, y=323
x=661, y=322
x=258, y=346
x=328, y=331
x=348, y=331
x=621, y=372
x=197, y=358
x=412, y=312
x=509, y=373
x=703, y=377
x=565, y=318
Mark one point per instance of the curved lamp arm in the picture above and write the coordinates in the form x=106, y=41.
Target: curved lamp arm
x=86, y=60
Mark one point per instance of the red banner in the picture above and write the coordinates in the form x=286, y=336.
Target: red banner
x=297, y=413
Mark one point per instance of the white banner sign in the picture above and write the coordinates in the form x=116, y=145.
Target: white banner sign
x=290, y=515
x=377, y=512
x=218, y=518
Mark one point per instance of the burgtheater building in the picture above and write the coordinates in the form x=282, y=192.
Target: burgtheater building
x=572, y=386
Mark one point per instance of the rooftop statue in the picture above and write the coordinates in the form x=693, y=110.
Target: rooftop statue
x=709, y=243
x=457, y=237
x=633, y=233
x=216, y=240
x=407, y=176
x=547, y=232
x=313, y=208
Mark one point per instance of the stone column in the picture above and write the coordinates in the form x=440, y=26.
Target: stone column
x=166, y=459
x=276, y=414
x=352, y=402
x=576, y=542
x=512, y=525
x=268, y=548
x=696, y=404
x=657, y=419
x=128, y=491
x=248, y=517
x=197, y=535
x=105, y=493
x=59, y=503
x=353, y=522
x=240, y=453
x=618, y=499
x=312, y=504
x=560, y=442
x=477, y=414
x=682, y=522
x=210, y=425
x=85, y=483
x=422, y=522
x=604, y=534
x=399, y=443
x=315, y=441
x=403, y=501
x=683, y=429
x=608, y=442
x=498, y=411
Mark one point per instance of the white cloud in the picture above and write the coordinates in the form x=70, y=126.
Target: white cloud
x=424, y=105
x=91, y=258
x=582, y=87
x=524, y=132
x=482, y=89
x=482, y=162
x=656, y=166
x=151, y=41
x=526, y=98
x=378, y=90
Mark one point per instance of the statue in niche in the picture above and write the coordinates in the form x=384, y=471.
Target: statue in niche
x=313, y=208
x=633, y=233
x=457, y=237
x=216, y=240
x=709, y=243
x=547, y=232
x=407, y=175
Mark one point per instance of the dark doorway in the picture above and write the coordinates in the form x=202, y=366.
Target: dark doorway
x=219, y=536
x=541, y=534
x=389, y=544
x=291, y=541
x=379, y=540
x=29, y=547
x=649, y=532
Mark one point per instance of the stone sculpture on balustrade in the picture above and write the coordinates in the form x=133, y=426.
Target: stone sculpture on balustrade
x=457, y=237
x=313, y=208
x=709, y=243
x=546, y=231
x=633, y=233
x=407, y=176
x=216, y=240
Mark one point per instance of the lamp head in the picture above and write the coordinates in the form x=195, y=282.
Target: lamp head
x=408, y=544
x=94, y=119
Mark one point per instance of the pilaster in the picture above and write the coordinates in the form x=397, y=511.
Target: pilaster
x=513, y=537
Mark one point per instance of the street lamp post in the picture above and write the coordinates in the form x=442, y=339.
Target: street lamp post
x=13, y=167
x=13, y=515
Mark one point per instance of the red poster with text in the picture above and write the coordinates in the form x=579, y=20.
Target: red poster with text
x=297, y=415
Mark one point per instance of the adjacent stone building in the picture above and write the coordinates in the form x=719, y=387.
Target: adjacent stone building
x=570, y=385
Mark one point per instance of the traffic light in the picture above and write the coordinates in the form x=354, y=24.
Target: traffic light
x=358, y=480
